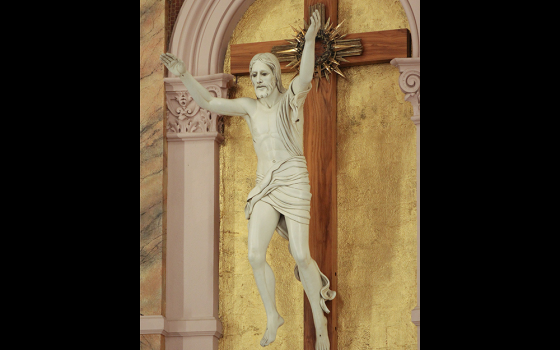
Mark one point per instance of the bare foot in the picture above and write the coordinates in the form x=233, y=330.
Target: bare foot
x=322, y=339
x=272, y=326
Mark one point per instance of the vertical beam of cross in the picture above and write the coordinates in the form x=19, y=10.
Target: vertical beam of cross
x=320, y=152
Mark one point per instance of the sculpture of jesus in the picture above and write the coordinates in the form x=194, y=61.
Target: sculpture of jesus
x=281, y=198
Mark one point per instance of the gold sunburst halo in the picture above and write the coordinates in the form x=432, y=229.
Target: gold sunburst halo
x=335, y=48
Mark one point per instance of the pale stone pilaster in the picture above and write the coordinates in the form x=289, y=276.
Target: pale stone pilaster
x=193, y=217
x=409, y=82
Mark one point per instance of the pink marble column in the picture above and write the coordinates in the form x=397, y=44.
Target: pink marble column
x=193, y=217
x=409, y=82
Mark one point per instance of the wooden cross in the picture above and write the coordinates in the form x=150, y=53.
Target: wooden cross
x=320, y=145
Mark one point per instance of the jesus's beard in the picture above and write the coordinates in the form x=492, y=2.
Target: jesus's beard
x=263, y=93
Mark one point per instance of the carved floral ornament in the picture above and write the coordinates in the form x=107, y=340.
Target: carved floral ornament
x=184, y=115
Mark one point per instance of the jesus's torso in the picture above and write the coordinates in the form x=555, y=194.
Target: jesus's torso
x=266, y=137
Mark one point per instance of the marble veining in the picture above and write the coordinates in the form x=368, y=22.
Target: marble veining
x=151, y=342
x=152, y=163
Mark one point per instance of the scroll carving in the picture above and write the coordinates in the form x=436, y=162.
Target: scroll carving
x=184, y=115
x=409, y=83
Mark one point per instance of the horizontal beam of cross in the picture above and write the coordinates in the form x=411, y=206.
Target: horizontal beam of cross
x=378, y=47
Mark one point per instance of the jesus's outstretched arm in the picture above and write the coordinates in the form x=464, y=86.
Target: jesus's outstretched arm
x=308, y=55
x=201, y=96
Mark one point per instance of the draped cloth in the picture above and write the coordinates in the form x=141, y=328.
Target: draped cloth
x=285, y=186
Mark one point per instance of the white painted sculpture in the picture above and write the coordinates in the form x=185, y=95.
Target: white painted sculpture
x=281, y=198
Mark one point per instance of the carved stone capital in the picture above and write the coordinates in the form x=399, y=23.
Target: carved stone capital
x=184, y=115
x=409, y=83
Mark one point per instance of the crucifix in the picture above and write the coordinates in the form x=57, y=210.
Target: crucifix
x=320, y=135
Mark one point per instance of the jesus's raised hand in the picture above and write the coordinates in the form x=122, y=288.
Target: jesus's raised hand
x=314, y=27
x=173, y=63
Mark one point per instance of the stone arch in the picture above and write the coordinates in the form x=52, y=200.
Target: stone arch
x=202, y=32
x=412, y=10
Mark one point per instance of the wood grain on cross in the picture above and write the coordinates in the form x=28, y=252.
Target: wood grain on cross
x=320, y=146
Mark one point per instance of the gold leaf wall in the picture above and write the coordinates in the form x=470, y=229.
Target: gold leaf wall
x=376, y=195
x=376, y=199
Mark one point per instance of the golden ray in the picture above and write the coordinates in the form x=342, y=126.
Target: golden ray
x=287, y=51
x=353, y=52
x=356, y=41
x=289, y=64
x=296, y=63
x=282, y=47
x=338, y=26
x=335, y=68
x=327, y=24
x=342, y=47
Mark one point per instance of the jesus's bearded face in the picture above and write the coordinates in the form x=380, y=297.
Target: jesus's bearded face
x=263, y=80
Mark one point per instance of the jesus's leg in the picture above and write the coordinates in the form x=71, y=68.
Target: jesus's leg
x=310, y=279
x=262, y=224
